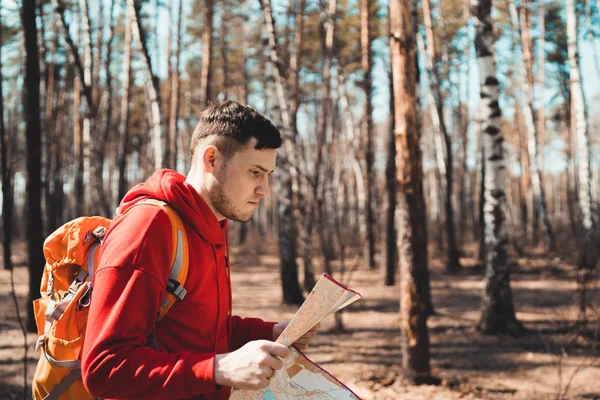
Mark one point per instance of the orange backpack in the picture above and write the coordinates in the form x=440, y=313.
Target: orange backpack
x=61, y=313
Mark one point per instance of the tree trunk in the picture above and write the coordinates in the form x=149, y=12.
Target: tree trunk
x=47, y=106
x=56, y=180
x=498, y=312
x=532, y=132
x=168, y=87
x=412, y=238
x=366, y=38
x=105, y=119
x=124, y=118
x=174, y=105
x=541, y=118
x=88, y=115
x=84, y=75
x=353, y=139
x=96, y=92
x=205, y=77
x=482, y=252
x=313, y=210
x=31, y=110
x=5, y=157
x=437, y=109
x=78, y=147
x=225, y=21
x=571, y=178
x=243, y=97
x=523, y=181
x=391, y=187
x=589, y=254
x=152, y=88
x=292, y=294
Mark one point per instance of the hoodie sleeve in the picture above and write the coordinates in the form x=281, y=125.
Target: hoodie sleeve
x=244, y=330
x=128, y=286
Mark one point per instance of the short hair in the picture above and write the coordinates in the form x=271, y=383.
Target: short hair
x=234, y=124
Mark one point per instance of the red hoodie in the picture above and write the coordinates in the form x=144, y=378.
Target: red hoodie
x=128, y=285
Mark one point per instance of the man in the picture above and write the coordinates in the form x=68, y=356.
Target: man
x=203, y=350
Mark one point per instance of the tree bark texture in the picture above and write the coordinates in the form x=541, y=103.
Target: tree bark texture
x=589, y=254
x=410, y=214
x=174, y=103
x=366, y=38
x=391, y=188
x=532, y=131
x=34, y=166
x=152, y=88
x=437, y=111
x=5, y=158
x=292, y=294
x=207, y=43
x=124, y=111
x=498, y=313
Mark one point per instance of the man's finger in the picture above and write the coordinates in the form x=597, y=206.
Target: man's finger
x=276, y=349
x=274, y=362
x=310, y=334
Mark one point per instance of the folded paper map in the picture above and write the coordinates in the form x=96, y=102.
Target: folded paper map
x=300, y=378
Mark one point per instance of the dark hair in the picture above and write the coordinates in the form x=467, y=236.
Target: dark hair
x=234, y=124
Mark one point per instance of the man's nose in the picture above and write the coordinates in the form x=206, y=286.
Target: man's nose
x=263, y=189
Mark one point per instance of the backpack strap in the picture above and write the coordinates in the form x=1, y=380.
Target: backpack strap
x=64, y=385
x=179, y=258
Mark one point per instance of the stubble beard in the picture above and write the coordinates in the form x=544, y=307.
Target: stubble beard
x=223, y=205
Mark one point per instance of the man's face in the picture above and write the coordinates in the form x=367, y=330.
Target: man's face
x=242, y=181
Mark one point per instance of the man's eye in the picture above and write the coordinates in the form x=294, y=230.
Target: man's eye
x=255, y=173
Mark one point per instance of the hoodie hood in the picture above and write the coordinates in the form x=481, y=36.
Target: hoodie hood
x=171, y=187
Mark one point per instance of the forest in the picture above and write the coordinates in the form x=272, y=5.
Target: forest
x=439, y=156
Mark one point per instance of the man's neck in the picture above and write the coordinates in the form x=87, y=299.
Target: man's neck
x=197, y=180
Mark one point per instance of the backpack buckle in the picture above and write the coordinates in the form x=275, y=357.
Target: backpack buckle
x=39, y=342
x=175, y=288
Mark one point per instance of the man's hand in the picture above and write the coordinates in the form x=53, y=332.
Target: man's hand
x=303, y=341
x=251, y=366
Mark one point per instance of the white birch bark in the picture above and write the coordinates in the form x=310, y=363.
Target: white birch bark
x=151, y=89
x=588, y=258
x=498, y=312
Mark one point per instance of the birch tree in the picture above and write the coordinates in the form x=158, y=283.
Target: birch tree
x=589, y=255
x=439, y=123
x=410, y=214
x=498, y=312
x=292, y=294
x=317, y=184
x=152, y=90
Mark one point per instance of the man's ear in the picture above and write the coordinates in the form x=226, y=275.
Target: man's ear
x=209, y=157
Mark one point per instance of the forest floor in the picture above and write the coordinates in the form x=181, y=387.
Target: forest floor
x=549, y=361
